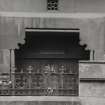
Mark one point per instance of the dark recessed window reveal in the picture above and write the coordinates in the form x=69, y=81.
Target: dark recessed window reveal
x=52, y=4
x=47, y=64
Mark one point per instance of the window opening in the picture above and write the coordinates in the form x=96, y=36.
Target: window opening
x=52, y=4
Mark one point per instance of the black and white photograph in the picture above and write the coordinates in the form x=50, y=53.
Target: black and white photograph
x=52, y=52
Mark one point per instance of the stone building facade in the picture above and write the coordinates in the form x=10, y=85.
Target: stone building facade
x=82, y=16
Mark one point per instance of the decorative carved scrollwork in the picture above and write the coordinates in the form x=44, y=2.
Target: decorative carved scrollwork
x=44, y=79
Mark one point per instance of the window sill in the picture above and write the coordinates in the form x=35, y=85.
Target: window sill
x=39, y=98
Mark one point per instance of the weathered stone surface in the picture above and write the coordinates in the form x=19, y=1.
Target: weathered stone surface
x=97, y=6
x=92, y=89
x=83, y=101
x=4, y=61
x=40, y=103
x=92, y=70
